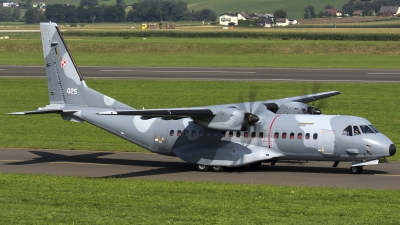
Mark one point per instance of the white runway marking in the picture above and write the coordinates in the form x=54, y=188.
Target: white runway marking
x=1, y=69
x=177, y=71
x=382, y=73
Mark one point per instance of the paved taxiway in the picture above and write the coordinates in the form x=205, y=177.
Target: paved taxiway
x=209, y=73
x=158, y=167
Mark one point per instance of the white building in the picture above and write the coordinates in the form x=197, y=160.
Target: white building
x=10, y=5
x=281, y=22
x=226, y=18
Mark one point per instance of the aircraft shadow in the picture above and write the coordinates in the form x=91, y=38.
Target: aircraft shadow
x=165, y=167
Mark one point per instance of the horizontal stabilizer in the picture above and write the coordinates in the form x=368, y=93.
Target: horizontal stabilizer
x=177, y=113
x=42, y=112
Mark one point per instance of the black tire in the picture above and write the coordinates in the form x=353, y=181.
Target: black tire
x=356, y=169
x=255, y=165
x=202, y=168
x=217, y=168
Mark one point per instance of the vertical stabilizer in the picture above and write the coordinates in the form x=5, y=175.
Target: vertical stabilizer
x=66, y=85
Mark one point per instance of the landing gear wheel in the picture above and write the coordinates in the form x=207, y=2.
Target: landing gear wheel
x=202, y=168
x=255, y=165
x=217, y=168
x=356, y=169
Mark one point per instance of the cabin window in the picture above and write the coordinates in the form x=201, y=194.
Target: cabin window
x=291, y=135
x=238, y=134
x=347, y=131
x=208, y=133
x=246, y=134
x=253, y=134
x=276, y=135
x=223, y=133
x=307, y=136
x=216, y=134
x=230, y=134
x=261, y=135
x=201, y=133
x=186, y=133
x=194, y=133
x=179, y=133
x=284, y=135
x=315, y=136
x=171, y=133
x=299, y=136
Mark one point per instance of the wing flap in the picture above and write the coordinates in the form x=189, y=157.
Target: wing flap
x=174, y=113
x=47, y=111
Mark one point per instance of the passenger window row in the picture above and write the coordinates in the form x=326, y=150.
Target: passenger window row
x=298, y=136
x=209, y=133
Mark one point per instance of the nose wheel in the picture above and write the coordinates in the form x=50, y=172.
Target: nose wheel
x=356, y=169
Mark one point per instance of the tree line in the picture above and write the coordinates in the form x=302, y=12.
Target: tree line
x=89, y=11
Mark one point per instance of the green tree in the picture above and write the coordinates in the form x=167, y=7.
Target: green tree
x=16, y=14
x=121, y=2
x=280, y=14
x=207, y=15
x=34, y=15
x=5, y=14
x=309, y=12
x=88, y=3
x=85, y=14
x=329, y=6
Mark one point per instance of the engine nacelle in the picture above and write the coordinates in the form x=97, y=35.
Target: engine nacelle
x=297, y=108
x=225, y=119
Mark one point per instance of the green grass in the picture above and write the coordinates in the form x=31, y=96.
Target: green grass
x=375, y=102
x=26, y=49
x=38, y=199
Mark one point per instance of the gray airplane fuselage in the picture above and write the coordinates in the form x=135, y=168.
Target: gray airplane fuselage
x=283, y=137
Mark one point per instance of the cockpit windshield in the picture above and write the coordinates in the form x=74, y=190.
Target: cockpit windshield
x=358, y=130
x=369, y=129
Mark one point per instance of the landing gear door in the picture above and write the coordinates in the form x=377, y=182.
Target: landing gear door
x=161, y=134
x=326, y=142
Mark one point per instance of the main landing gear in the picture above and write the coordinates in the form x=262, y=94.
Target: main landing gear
x=356, y=169
x=204, y=168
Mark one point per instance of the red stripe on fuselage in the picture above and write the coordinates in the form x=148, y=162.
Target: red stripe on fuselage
x=270, y=129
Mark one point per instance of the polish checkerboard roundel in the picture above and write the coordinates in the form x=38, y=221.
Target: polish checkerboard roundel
x=64, y=63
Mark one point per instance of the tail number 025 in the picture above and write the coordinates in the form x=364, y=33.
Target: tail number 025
x=72, y=91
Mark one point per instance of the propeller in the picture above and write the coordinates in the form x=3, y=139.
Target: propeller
x=251, y=108
x=313, y=108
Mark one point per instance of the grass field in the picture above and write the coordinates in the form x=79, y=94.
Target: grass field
x=33, y=199
x=377, y=104
x=26, y=49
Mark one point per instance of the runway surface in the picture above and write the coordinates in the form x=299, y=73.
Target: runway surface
x=209, y=73
x=158, y=167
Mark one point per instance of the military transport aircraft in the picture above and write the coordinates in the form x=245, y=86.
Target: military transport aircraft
x=218, y=136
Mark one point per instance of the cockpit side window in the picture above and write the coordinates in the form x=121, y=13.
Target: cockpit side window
x=366, y=129
x=347, y=131
x=356, y=130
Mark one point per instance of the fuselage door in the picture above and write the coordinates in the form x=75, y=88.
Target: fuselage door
x=326, y=142
x=161, y=135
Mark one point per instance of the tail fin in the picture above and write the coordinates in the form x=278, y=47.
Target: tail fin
x=66, y=85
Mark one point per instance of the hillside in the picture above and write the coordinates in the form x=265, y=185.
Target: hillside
x=294, y=9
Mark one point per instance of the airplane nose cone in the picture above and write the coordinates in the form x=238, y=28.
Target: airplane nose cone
x=392, y=149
